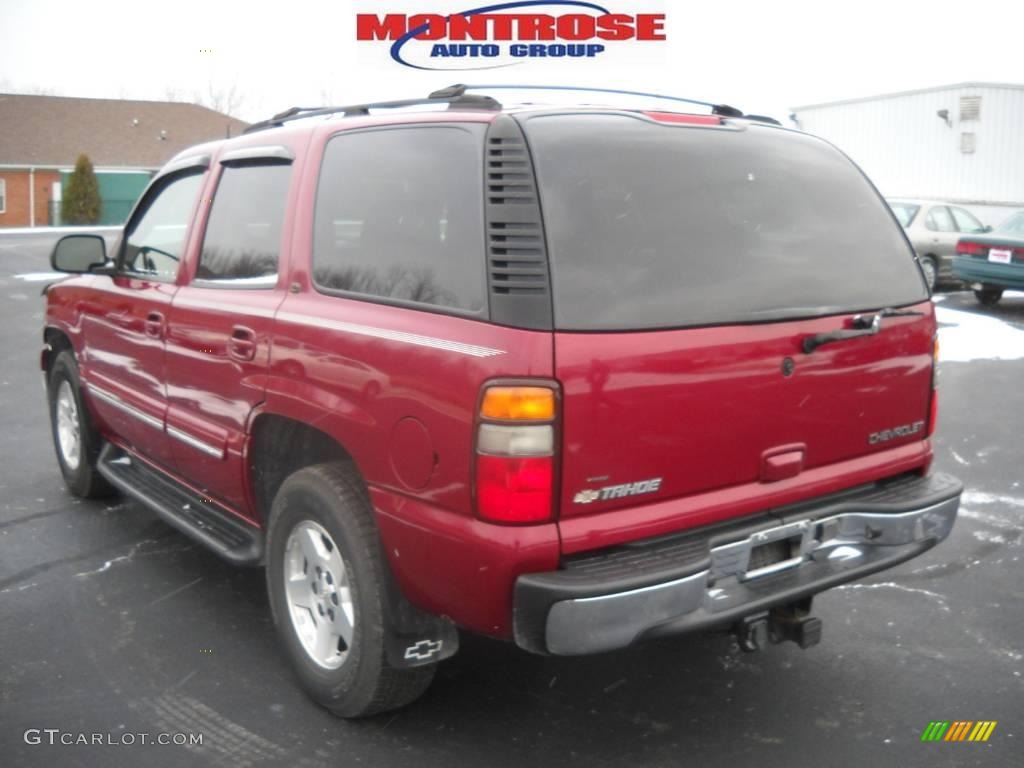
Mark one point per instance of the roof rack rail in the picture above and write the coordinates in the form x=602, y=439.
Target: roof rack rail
x=454, y=101
x=458, y=90
x=723, y=110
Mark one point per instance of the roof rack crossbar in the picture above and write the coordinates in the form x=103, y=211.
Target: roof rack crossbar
x=456, y=101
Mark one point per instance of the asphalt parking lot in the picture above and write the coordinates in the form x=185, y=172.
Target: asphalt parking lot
x=111, y=622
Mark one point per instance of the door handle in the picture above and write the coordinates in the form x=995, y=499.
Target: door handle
x=155, y=325
x=242, y=344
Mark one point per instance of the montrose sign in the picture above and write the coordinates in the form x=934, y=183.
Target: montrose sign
x=507, y=33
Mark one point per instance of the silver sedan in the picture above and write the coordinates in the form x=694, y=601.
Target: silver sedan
x=933, y=229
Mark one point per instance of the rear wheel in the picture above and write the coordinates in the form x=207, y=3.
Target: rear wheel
x=75, y=439
x=327, y=577
x=988, y=297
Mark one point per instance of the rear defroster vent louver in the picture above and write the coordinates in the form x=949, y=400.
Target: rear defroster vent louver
x=517, y=258
x=509, y=176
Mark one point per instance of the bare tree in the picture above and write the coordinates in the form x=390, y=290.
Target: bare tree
x=7, y=86
x=327, y=98
x=174, y=94
x=224, y=100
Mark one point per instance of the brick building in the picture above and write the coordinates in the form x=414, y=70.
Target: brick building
x=42, y=136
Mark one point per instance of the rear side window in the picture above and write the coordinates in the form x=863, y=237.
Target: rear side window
x=939, y=220
x=399, y=216
x=905, y=212
x=243, y=235
x=657, y=226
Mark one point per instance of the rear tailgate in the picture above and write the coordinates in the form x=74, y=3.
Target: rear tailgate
x=709, y=408
x=688, y=265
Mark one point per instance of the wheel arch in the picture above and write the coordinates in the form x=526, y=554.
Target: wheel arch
x=55, y=341
x=279, y=446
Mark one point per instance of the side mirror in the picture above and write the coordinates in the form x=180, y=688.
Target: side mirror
x=987, y=228
x=79, y=253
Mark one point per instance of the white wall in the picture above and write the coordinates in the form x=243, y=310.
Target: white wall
x=993, y=215
x=908, y=151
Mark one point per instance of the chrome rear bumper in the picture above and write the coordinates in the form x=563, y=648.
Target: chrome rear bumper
x=823, y=548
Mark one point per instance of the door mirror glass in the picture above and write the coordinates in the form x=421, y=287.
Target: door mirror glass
x=79, y=253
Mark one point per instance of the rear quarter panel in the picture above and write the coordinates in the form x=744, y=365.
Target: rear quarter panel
x=398, y=388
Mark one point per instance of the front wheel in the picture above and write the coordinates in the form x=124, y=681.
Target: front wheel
x=75, y=439
x=327, y=580
x=988, y=297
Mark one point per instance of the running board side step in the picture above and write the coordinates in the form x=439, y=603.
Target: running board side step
x=198, y=518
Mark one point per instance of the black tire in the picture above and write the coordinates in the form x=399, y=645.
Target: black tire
x=930, y=267
x=333, y=497
x=81, y=477
x=988, y=297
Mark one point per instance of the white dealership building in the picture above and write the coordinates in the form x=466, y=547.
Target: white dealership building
x=963, y=143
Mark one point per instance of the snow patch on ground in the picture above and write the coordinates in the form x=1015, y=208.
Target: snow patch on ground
x=940, y=599
x=989, y=537
x=966, y=336
x=988, y=519
x=980, y=497
x=960, y=459
x=36, y=277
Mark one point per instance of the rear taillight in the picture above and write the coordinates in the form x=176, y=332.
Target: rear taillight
x=933, y=408
x=967, y=248
x=515, y=454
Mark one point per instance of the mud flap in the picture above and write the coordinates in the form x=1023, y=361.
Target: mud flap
x=414, y=638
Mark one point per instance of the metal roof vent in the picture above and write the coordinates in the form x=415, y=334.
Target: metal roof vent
x=970, y=108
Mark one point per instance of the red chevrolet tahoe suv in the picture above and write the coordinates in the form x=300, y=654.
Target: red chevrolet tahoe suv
x=573, y=377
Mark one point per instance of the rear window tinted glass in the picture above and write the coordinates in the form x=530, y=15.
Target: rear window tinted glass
x=1013, y=224
x=656, y=226
x=243, y=236
x=965, y=220
x=399, y=215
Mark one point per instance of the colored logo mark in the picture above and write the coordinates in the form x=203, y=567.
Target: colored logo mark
x=958, y=730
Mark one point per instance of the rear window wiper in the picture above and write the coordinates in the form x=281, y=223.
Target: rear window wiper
x=863, y=325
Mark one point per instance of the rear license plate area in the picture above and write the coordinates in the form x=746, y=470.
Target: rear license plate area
x=774, y=556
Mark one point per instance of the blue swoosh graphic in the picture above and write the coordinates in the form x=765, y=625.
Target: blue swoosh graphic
x=396, y=49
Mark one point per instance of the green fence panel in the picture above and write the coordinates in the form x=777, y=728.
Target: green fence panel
x=119, y=190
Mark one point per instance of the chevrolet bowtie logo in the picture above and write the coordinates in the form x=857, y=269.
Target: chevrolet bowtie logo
x=424, y=649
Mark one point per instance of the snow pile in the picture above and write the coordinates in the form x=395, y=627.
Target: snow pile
x=35, y=277
x=966, y=336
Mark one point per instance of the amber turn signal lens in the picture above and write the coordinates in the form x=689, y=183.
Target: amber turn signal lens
x=518, y=404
